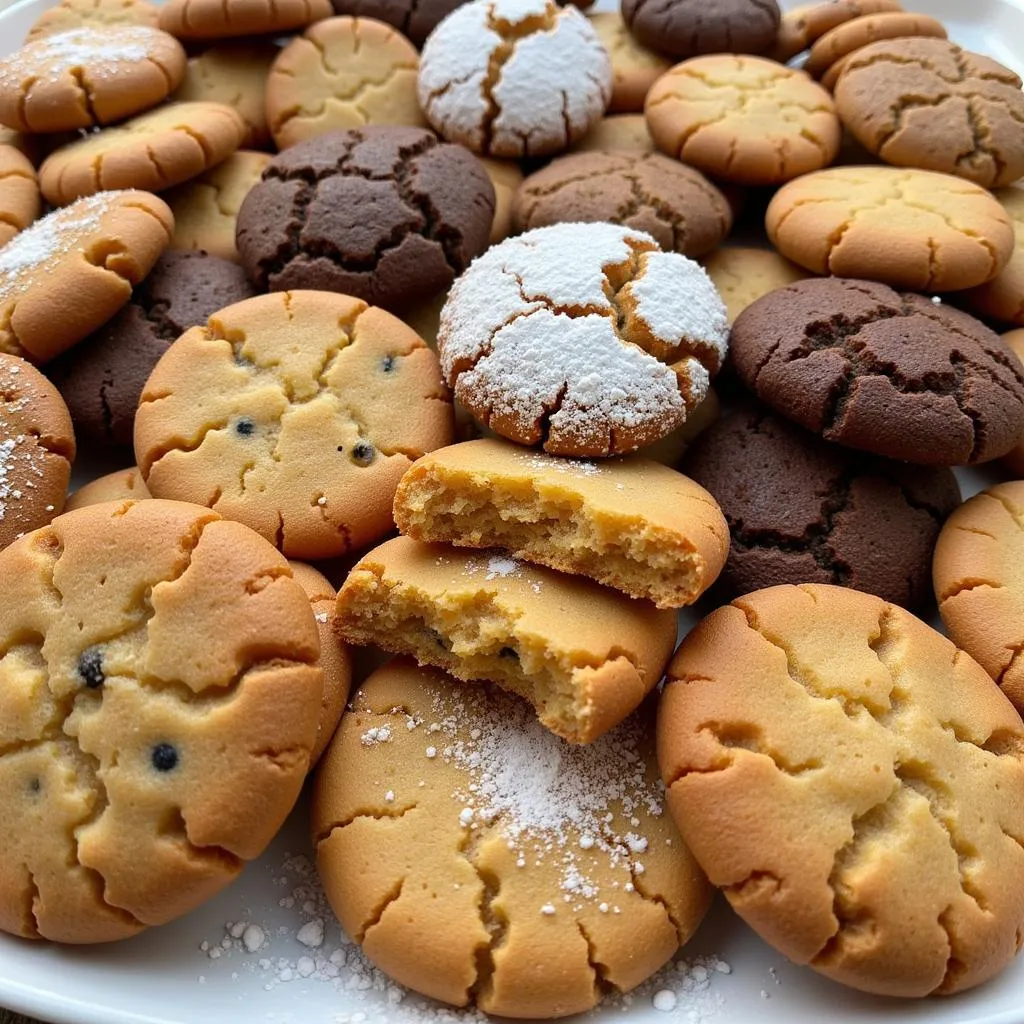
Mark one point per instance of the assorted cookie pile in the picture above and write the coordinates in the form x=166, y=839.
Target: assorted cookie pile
x=391, y=315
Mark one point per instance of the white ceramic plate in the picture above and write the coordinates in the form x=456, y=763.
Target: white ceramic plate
x=166, y=977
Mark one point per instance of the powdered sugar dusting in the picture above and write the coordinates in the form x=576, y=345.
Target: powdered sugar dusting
x=21, y=466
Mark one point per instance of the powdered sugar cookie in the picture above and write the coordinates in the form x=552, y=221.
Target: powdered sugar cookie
x=514, y=78
x=69, y=14
x=121, y=485
x=19, y=193
x=583, y=338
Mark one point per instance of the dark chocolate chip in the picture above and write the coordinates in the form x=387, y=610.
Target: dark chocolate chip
x=90, y=668
x=363, y=453
x=165, y=757
x=245, y=427
x=388, y=364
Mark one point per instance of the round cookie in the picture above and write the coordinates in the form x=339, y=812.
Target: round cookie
x=415, y=19
x=627, y=132
x=88, y=76
x=69, y=14
x=911, y=229
x=19, y=193
x=868, y=778
x=153, y=151
x=70, y=272
x=742, y=275
x=674, y=203
x=553, y=872
x=206, y=208
x=634, y=67
x=1002, y=298
x=686, y=28
x=743, y=119
x=514, y=78
x=1014, y=459
x=295, y=413
x=236, y=75
x=160, y=667
x=803, y=25
x=228, y=19
x=385, y=213
x=895, y=375
x=506, y=177
x=804, y=511
x=122, y=485
x=342, y=73
x=103, y=376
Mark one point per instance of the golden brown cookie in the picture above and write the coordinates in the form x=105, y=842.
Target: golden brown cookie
x=912, y=229
x=295, y=413
x=854, y=783
x=19, y=193
x=743, y=275
x=585, y=656
x=1014, y=461
x=69, y=14
x=228, y=19
x=153, y=151
x=552, y=871
x=618, y=131
x=1003, y=297
x=122, y=485
x=73, y=270
x=161, y=698
x=634, y=67
x=743, y=119
x=88, y=76
x=803, y=25
x=506, y=177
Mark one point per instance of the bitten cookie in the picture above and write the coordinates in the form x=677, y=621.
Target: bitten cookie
x=866, y=778
x=585, y=656
x=803, y=25
x=552, y=871
x=226, y=19
x=514, y=78
x=895, y=375
x=1003, y=297
x=295, y=413
x=19, y=193
x=804, y=511
x=415, y=19
x=743, y=119
x=159, y=667
x=73, y=270
x=673, y=203
x=634, y=67
x=88, y=76
x=911, y=229
x=627, y=132
x=386, y=213
x=69, y=14
x=122, y=485
x=685, y=28
x=534, y=347
x=743, y=275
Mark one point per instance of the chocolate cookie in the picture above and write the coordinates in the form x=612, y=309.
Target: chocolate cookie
x=685, y=28
x=388, y=214
x=893, y=374
x=415, y=19
x=102, y=378
x=801, y=510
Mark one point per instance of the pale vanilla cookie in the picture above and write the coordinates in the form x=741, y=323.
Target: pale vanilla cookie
x=73, y=270
x=88, y=76
x=514, y=78
x=69, y=14
x=1014, y=460
x=744, y=275
x=19, y=193
x=121, y=485
x=506, y=176
x=295, y=413
x=342, y=73
x=907, y=228
x=228, y=19
x=618, y=131
x=552, y=872
x=854, y=784
x=743, y=119
x=634, y=67
x=206, y=208
x=161, y=700
x=153, y=151
x=583, y=655
x=533, y=345
x=631, y=523
x=803, y=25
x=1002, y=298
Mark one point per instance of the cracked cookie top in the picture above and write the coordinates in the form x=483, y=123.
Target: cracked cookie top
x=854, y=783
x=160, y=691
x=19, y=193
x=514, y=78
x=225, y=19
x=583, y=338
x=551, y=871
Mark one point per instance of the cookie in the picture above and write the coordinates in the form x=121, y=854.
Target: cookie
x=160, y=667
x=88, y=76
x=102, y=377
x=122, y=485
x=19, y=193
x=227, y=19
x=686, y=28
x=415, y=19
x=866, y=776
x=153, y=151
x=743, y=275
x=743, y=119
x=584, y=656
x=673, y=203
x=295, y=413
x=236, y=75
x=626, y=132
x=1014, y=459
x=804, y=511
x=70, y=272
x=206, y=208
x=1003, y=297
x=69, y=14
x=514, y=78
x=506, y=177
x=385, y=213
x=892, y=374
x=634, y=67
x=552, y=882
x=342, y=73
x=672, y=447
x=911, y=229
x=532, y=344
x=803, y=25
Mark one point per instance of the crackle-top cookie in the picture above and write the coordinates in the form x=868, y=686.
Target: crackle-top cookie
x=635, y=68
x=1002, y=298
x=553, y=871
x=534, y=346
x=227, y=19
x=514, y=78
x=855, y=785
x=161, y=694
x=19, y=193
x=69, y=14
x=295, y=413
